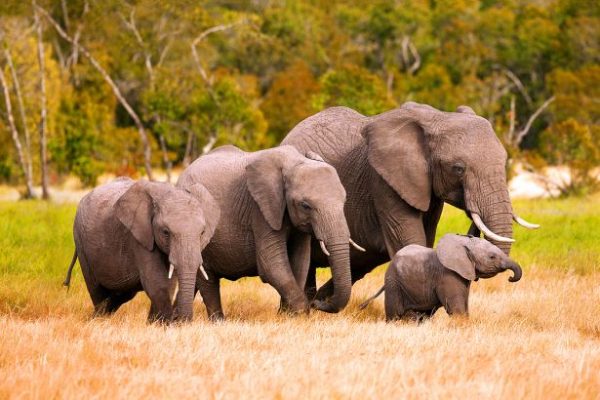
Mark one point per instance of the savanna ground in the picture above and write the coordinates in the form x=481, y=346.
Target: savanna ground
x=538, y=338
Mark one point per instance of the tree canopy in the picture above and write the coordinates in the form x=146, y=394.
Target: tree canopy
x=204, y=73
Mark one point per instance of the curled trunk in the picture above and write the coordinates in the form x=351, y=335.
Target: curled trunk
x=342, y=280
x=516, y=269
x=333, y=231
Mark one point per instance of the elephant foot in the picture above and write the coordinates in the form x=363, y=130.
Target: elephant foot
x=324, y=305
x=217, y=316
x=300, y=309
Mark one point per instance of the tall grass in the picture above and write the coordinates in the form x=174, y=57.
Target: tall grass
x=538, y=338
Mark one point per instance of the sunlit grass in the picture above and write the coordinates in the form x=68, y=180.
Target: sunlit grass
x=538, y=338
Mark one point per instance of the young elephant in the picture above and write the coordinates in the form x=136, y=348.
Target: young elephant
x=419, y=280
x=271, y=202
x=131, y=236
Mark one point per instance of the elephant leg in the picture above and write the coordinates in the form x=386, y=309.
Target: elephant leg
x=156, y=284
x=394, y=307
x=274, y=266
x=210, y=290
x=453, y=294
x=310, y=289
x=116, y=300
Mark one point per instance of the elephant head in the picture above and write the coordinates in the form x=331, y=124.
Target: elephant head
x=474, y=258
x=421, y=151
x=310, y=190
x=178, y=222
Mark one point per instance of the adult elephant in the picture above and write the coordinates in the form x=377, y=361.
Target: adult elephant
x=271, y=202
x=399, y=167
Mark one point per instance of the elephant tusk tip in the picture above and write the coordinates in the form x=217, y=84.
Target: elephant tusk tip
x=322, y=244
x=356, y=246
x=204, y=274
x=171, y=269
x=524, y=223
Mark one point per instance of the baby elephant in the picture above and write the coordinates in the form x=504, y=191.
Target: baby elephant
x=419, y=280
x=131, y=236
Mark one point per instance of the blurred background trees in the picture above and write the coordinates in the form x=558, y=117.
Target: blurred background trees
x=199, y=74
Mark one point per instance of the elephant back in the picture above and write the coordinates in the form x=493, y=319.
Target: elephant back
x=331, y=133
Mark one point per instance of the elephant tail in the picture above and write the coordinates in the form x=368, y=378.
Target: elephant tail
x=370, y=299
x=67, y=281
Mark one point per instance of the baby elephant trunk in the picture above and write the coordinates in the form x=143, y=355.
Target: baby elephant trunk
x=515, y=268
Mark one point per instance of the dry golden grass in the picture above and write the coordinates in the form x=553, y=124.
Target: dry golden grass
x=539, y=338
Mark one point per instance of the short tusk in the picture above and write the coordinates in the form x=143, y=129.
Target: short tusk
x=171, y=269
x=524, y=223
x=357, y=247
x=487, y=232
x=322, y=243
x=204, y=274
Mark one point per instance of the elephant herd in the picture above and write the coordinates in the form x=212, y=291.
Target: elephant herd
x=342, y=190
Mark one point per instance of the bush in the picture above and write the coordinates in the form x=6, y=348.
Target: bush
x=574, y=145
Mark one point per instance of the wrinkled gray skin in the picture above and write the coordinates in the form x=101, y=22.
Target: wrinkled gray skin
x=271, y=202
x=399, y=168
x=419, y=280
x=128, y=233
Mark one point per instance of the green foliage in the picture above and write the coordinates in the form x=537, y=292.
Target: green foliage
x=353, y=87
x=289, y=100
x=268, y=65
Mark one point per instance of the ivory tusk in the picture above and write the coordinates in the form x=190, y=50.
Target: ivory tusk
x=487, y=232
x=322, y=243
x=171, y=269
x=524, y=223
x=204, y=274
x=357, y=247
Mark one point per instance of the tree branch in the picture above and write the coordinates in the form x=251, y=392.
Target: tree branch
x=136, y=119
x=20, y=103
x=532, y=118
x=201, y=37
x=517, y=82
x=43, y=103
x=15, y=133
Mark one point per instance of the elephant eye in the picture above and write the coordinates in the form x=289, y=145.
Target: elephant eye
x=165, y=232
x=492, y=256
x=305, y=205
x=458, y=169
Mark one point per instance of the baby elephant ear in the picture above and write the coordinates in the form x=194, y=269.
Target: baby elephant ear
x=314, y=156
x=135, y=210
x=452, y=253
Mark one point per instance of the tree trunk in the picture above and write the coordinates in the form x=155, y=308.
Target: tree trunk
x=15, y=135
x=27, y=152
x=117, y=92
x=166, y=161
x=43, y=105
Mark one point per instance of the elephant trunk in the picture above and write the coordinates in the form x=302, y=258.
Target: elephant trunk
x=492, y=205
x=336, y=240
x=187, y=263
x=516, y=269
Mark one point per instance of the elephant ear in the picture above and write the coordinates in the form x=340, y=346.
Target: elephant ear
x=265, y=183
x=398, y=152
x=465, y=110
x=452, y=251
x=210, y=209
x=134, y=210
x=314, y=156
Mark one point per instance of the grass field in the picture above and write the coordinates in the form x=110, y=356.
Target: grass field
x=538, y=338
